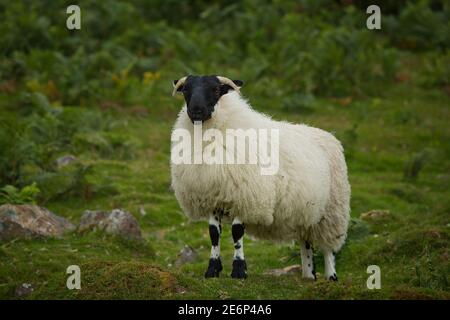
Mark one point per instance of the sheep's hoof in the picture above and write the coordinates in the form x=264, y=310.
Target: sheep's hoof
x=214, y=268
x=239, y=269
x=333, y=277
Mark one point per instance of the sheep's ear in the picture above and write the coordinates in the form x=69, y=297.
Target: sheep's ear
x=225, y=87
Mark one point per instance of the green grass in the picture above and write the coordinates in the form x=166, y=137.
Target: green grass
x=380, y=135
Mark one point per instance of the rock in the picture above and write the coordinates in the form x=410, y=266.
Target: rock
x=65, y=160
x=23, y=290
x=90, y=220
x=117, y=222
x=186, y=255
x=123, y=223
x=375, y=215
x=296, y=268
x=27, y=221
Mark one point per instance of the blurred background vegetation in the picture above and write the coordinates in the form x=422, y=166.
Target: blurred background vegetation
x=126, y=53
x=102, y=94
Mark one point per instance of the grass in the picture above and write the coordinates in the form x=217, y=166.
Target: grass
x=381, y=136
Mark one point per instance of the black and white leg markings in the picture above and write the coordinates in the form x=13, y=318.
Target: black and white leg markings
x=215, y=264
x=239, y=264
x=330, y=271
x=308, y=267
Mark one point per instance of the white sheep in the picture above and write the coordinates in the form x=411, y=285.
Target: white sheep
x=306, y=200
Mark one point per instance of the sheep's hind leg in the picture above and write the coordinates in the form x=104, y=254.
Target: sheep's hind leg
x=308, y=268
x=239, y=264
x=215, y=264
x=330, y=271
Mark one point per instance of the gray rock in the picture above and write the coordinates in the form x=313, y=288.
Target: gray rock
x=29, y=221
x=296, y=268
x=23, y=290
x=90, y=220
x=117, y=222
x=65, y=160
x=186, y=255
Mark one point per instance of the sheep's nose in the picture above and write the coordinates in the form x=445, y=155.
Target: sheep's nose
x=197, y=111
x=196, y=114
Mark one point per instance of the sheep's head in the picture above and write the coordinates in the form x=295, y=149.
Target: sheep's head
x=203, y=92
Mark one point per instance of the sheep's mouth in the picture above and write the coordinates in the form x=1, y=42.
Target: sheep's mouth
x=200, y=120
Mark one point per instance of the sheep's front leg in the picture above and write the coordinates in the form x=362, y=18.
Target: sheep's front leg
x=215, y=264
x=308, y=268
x=330, y=271
x=239, y=264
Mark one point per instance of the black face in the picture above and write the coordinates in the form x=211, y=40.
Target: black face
x=201, y=94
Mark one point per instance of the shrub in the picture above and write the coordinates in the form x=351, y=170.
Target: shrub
x=420, y=25
x=436, y=71
x=11, y=195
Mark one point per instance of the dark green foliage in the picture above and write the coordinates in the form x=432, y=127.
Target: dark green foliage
x=10, y=194
x=33, y=142
x=436, y=71
x=281, y=48
x=421, y=25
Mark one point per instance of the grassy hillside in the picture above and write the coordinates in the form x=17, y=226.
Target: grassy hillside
x=103, y=95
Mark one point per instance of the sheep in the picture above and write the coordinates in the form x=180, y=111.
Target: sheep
x=306, y=200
